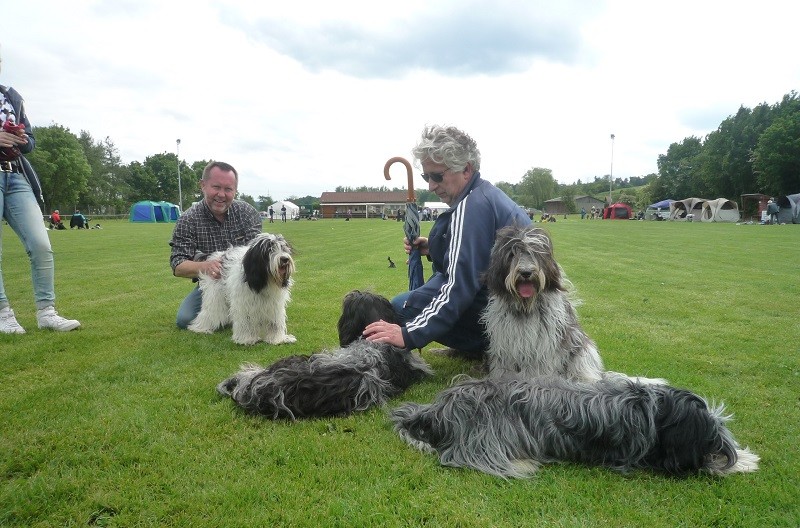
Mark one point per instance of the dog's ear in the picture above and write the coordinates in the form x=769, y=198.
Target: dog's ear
x=360, y=309
x=686, y=432
x=256, y=264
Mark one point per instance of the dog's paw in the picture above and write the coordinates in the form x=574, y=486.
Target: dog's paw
x=281, y=340
x=245, y=340
x=200, y=329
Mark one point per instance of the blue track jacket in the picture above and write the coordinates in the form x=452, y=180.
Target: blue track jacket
x=460, y=244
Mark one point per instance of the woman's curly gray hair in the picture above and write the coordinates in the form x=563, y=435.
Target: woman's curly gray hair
x=448, y=146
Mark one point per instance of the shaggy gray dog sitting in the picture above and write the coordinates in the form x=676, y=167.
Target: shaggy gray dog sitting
x=353, y=378
x=531, y=319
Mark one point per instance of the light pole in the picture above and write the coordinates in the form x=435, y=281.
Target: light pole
x=180, y=194
x=611, y=174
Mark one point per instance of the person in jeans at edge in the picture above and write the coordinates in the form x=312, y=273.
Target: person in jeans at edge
x=447, y=308
x=215, y=223
x=19, y=206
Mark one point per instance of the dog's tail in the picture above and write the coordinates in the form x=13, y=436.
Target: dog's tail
x=730, y=458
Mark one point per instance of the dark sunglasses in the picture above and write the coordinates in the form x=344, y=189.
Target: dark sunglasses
x=437, y=177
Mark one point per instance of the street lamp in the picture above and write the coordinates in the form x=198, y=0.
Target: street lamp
x=611, y=174
x=180, y=194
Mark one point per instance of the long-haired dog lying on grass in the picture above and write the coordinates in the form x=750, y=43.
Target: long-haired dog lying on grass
x=509, y=427
x=531, y=321
x=355, y=377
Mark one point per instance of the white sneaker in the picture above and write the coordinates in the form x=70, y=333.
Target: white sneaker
x=8, y=323
x=49, y=318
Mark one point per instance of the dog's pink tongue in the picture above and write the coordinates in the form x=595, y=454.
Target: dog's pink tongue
x=526, y=289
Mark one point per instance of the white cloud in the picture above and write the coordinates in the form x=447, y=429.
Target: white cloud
x=304, y=96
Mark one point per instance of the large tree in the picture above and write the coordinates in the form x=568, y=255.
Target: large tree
x=106, y=190
x=776, y=159
x=537, y=186
x=62, y=167
x=678, y=169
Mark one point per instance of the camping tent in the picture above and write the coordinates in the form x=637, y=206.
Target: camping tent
x=618, y=211
x=148, y=211
x=292, y=210
x=171, y=211
x=681, y=209
x=789, y=212
x=719, y=210
x=661, y=208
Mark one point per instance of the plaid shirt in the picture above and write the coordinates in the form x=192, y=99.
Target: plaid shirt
x=197, y=233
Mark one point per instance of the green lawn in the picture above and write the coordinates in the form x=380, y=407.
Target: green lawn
x=118, y=424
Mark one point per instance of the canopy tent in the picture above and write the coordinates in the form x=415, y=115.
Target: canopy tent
x=618, y=211
x=659, y=210
x=149, y=211
x=292, y=210
x=789, y=212
x=681, y=209
x=719, y=210
x=436, y=206
x=663, y=204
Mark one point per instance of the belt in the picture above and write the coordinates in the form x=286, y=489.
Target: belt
x=9, y=166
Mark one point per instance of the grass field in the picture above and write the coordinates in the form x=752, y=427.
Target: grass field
x=118, y=424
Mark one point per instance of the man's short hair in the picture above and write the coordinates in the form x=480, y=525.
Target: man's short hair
x=227, y=167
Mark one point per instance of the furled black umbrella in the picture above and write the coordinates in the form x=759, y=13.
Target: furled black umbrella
x=410, y=226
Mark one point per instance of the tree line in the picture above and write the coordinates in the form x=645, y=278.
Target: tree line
x=754, y=151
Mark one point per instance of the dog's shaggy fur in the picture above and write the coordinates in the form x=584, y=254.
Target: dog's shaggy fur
x=353, y=378
x=531, y=320
x=509, y=427
x=252, y=293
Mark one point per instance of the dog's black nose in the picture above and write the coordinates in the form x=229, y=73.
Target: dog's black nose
x=284, y=261
x=526, y=274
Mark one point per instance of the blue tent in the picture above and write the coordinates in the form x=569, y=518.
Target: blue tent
x=171, y=211
x=663, y=204
x=148, y=211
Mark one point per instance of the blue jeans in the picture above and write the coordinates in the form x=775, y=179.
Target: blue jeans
x=189, y=308
x=21, y=210
x=468, y=335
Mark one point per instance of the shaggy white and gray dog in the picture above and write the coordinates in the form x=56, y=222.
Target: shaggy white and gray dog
x=353, y=378
x=509, y=427
x=531, y=320
x=252, y=293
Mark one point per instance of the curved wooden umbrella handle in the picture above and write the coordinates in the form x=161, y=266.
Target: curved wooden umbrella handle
x=398, y=159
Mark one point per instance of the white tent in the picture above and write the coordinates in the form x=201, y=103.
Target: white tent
x=292, y=210
x=720, y=210
x=436, y=206
x=681, y=209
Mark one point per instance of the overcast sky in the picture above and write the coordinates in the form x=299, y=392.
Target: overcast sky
x=304, y=96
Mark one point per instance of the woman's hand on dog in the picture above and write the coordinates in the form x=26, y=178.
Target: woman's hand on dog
x=383, y=332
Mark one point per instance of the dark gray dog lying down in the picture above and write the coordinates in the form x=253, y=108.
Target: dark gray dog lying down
x=355, y=377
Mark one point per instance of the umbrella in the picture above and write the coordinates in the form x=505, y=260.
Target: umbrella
x=410, y=226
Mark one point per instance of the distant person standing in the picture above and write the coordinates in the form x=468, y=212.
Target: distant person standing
x=283, y=212
x=20, y=190
x=772, y=211
x=271, y=215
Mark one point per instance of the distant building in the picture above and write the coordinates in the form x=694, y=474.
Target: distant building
x=362, y=204
x=558, y=206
